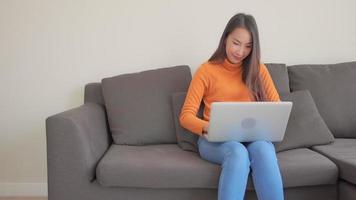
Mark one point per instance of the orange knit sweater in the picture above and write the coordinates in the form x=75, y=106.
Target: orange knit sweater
x=217, y=83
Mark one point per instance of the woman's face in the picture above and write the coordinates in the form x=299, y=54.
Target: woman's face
x=238, y=45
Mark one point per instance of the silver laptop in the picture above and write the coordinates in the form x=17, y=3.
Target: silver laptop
x=248, y=121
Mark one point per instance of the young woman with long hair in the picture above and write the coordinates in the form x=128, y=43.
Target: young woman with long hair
x=235, y=73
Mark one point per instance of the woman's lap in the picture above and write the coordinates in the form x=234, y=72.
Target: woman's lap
x=215, y=151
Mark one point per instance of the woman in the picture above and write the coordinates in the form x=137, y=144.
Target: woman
x=234, y=73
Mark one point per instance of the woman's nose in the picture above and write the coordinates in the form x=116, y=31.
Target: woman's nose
x=240, y=51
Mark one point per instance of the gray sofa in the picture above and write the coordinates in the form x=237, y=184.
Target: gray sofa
x=122, y=142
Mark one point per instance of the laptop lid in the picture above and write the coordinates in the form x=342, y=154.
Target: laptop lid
x=248, y=121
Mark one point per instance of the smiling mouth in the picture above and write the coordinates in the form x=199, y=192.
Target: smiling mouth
x=238, y=58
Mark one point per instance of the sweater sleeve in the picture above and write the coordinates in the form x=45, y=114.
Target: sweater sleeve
x=197, y=88
x=271, y=91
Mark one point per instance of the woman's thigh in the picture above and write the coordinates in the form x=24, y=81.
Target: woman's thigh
x=261, y=150
x=216, y=151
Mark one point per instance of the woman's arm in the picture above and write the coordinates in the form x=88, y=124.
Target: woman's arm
x=197, y=88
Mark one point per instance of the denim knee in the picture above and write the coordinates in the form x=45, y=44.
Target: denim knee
x=237, y=151
x=261, y=149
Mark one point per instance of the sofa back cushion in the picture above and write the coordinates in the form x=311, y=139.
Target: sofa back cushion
x=186, y=140
x=93, y=93
x=139, y=105
x=305, y=126
x=279, y=74
x=333, y=90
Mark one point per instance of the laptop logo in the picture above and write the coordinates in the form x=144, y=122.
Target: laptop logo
x=248, y=123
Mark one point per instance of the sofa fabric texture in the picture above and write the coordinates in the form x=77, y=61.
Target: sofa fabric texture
x=333, y=90
x=279, y=74
x=343, y=153
x=141, y=167
x=138, y=105
x=185, y=138
x=305, y=126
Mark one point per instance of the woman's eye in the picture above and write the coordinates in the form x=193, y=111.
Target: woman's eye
x=248, y=47
x=236, y=43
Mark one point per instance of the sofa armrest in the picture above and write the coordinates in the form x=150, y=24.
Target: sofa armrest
x=76, y=140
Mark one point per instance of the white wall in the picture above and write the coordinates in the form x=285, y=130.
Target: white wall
x=50, y=49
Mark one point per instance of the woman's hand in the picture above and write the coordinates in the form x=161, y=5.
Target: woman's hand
x=205, y=129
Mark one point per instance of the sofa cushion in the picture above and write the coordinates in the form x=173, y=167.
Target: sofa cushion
x=305, y=126
x=93, y=93
x=279, y=74
x=304, y=167
x=168, y=166
x=139, y=105
x=186, y=139
x=343, y=153
x=155, y=166
x=333, y=90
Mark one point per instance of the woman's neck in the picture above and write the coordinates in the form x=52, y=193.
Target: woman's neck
x=231, y=66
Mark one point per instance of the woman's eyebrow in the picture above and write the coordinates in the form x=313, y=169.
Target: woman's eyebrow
x=249, y=43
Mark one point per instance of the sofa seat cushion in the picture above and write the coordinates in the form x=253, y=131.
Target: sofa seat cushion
x=343, y=153
x=168, y=166
x=156, y=166
x=304, y=167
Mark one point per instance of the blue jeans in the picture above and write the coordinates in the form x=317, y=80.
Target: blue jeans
x=236, y=159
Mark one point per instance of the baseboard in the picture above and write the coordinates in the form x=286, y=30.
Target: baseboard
x=23, y=189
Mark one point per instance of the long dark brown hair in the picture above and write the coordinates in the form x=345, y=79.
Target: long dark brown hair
x=251, y=64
